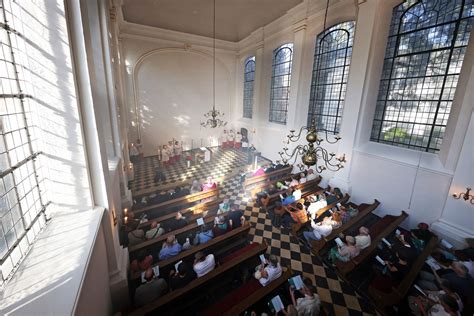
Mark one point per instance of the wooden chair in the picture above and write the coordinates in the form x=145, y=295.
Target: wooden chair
x=364, y=210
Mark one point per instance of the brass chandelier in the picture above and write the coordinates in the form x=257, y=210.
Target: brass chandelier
x=214, y=118
x=312, y=153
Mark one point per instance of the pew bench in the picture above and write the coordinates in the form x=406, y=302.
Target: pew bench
x=184, y=201
x=398, y=293
x=379, y=230
x=364, y=209
x=263, y=179
x=252, y=251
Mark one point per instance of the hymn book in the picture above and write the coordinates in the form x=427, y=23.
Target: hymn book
x=432, y=263
x=339, y=242
x=296, y=281
x=387, y=242
x=380, y=260
x=446, y=244
x=200, y=221
x=276, y=304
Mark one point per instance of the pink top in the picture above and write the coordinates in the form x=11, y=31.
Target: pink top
x=259, y=172
x=209, y=186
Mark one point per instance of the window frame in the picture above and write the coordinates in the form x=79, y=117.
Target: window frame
x=248, y=88
x=282, y=109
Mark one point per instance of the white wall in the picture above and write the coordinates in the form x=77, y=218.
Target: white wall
x=174, y=89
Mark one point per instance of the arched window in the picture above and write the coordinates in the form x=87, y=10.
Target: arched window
x=281, y=77
x=249, y=78
x=332, y=58
x=423, y=59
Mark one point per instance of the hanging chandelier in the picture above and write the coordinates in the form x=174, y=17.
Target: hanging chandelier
x=214, y=118
x=312, y=154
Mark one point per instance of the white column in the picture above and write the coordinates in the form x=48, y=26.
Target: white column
x=366, y=62
x=299, y=29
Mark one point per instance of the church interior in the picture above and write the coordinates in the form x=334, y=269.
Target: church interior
x=236, y=157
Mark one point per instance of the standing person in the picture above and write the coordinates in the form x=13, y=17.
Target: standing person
x=230, y=139
x=224, y=139
x=139, y=146
x=159, y=175
x=171, y=151
x=134, y=154
x=165, y=155
x=178, y=149
x=238, y=141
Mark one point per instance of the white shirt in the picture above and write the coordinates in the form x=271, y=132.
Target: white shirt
x=362, y=241
x=303, y=180
x=273, y=273
x=308, y=306
x=297, y=194
x=311, y=176
x=203, y=267
x=313, y=208
x=238, y=138
x=321, y=229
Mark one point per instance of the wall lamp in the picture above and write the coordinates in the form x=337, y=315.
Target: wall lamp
x=467, y=196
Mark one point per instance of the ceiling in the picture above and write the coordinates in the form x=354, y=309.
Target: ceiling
x=235, y=19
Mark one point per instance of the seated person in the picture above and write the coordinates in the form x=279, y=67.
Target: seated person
x=310, y=304
x=263, y=199
x=259, y=172
x=179, y=221
x=281, y=186
x=204, y=235
x=302, y=178
x=345, y=216
x=298, y=213
x=150, y=291
x=221, y=226
x=310, y=175
x=236, y=217
x=223, y=207
x=397, y=269
x=287, y=197
x=280, y=216
x=345, y=252
x=294, y=182
x=179, y=192
x=424, y=304
x=320, y=230
x=457, y=275
x=195, y=187
x=209, y=185
x=136, y=235
x=142, y=262
x=170, y=248
x=203, y=264
x=334, y=195
x=297, y=194
x=363, y=239
x=154, y=231
x=317, y=203
x=268, y=270
x=182, y=277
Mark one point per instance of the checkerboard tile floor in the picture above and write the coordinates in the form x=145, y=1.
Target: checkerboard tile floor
x=342, y=298
x=223, y=163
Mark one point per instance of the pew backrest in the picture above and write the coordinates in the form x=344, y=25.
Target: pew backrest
x=277, y=174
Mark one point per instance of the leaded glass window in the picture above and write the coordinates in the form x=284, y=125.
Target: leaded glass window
x=22, y=192
x=281, y=77
x=249, y=78
x=423, y=59
x=332, y=59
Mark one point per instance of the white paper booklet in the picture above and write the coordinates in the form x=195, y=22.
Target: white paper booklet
x=380, y=260
x=277, y=303
x=339, y=242
x=176, y=265
x=297, y=282
x=446, y=244
x=200, y=221
x=432, y=263
x=386, y=242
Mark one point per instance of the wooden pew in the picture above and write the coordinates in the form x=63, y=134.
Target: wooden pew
x=277, y=174
x=379, y=230
x=227, y=305
x=183, y=201
x=210, y=247
x=306, y=190
x=199, y=282
x=398, y=293
x=259, y=189
x=296, y=227
x=157, y=242
x=138, y=195
x=192, y=211
x=364, y=209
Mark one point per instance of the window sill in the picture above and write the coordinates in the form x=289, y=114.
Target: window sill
x=403, y=156
x=50, y=278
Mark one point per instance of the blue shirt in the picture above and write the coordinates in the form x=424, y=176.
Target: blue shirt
x=288, y=200
x=205, y=236
x=169, y=252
